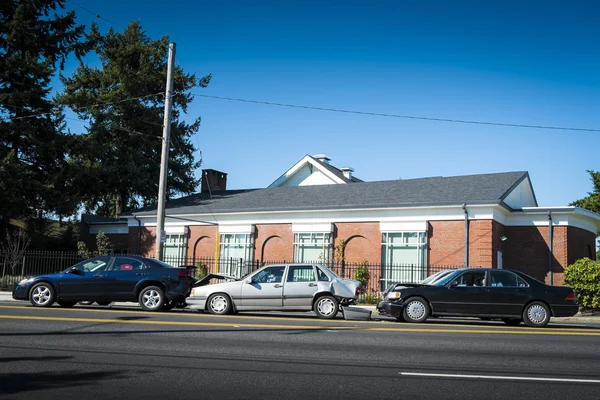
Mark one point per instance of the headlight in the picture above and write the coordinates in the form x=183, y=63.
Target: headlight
x=393, y=295
x=193, y=292
x=24, y=281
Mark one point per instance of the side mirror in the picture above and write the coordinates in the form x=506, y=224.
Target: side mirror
x=74, y=270
x=249, y=281
x=454, y=283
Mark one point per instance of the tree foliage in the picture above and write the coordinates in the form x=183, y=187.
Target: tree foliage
x=583, y=277
x=592, y=201
x=118, y=157
x=36, y=37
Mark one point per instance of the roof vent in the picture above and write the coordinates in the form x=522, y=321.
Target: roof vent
x=347, y=172
x=323, y=158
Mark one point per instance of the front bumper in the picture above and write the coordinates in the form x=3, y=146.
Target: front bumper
x=390, y=308
x=20, y=292
x=196, y=302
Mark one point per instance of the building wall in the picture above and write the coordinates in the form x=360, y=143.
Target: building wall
x=580, y=243
x=274, y=242
x=446, y=243
x=527, y=250
x=202, y=242
x=363, y=241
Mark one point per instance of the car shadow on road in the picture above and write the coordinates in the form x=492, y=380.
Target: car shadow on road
x=18, y=382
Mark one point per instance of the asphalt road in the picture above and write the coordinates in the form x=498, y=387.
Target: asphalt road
x=101, y=353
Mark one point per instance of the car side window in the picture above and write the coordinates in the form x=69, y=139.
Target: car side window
x=95, y=265
x=127, y=264
x=269, y=275
x=322, y=275
x=301, y=273
x=471, y=278
x=505, y=279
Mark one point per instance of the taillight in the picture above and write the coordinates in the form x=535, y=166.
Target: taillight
x=357, y=291
x=184, y=273
x=570, y=297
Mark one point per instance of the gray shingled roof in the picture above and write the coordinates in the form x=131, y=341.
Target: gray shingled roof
x=436, y=191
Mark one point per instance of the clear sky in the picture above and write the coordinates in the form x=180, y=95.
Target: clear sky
x=517, y=62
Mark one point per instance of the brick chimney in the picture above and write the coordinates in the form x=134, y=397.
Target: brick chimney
x=213, y=181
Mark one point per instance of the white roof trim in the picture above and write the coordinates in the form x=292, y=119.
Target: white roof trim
x=176, y=230
x=326, y=227
x=225, y=229
x=420, y=226
x=296, y=167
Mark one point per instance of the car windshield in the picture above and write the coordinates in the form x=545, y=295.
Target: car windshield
x=434, y=277
x=445, y=279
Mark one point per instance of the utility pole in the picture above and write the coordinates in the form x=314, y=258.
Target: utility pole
x=164, y=164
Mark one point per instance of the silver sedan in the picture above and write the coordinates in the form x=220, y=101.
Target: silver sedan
x=282, y=287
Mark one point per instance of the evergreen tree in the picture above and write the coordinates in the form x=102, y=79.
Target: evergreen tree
x=123, y=101
x=36, y=37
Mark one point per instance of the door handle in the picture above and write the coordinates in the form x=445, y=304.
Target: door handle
x=139, y=273
x=312, y=284
x=98, y=276
x=277, y=285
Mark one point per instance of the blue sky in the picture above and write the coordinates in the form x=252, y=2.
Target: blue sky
x=517, y=62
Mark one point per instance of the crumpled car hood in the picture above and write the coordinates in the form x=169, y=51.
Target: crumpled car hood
x=205, y=281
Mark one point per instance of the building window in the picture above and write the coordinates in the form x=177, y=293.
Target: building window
x=404, y=257
x=312, y=247
x=175, y=250
x=236, y=245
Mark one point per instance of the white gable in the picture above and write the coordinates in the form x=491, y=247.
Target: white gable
x=307, y=172
x=521, y=196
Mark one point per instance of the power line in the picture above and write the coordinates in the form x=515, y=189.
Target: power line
x=96, y=14
x=459, y=121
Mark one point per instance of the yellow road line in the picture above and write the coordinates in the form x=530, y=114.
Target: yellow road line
x=279, y=318
x=312, y=327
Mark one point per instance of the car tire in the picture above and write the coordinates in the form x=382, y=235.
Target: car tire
x=152, y=298
x=326, y=307
x=169, y=305
x=66, y=304
x=103, y=303
x=512, y=321
x=415, y=310
x=536, y=314
x=400, y=318
x=219, y=304
x=42, y=295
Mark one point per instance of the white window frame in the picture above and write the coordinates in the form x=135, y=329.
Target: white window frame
x=320, y=239
x=389, y=274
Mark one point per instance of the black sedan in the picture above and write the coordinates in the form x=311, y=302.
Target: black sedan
x=486, y=293
x=154, y=284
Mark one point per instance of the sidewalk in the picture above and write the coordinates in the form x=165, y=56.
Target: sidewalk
x=578, y=318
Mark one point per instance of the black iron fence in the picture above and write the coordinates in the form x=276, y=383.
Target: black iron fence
x=375, y=277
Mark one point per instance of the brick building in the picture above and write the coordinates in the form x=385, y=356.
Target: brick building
x=314, y=209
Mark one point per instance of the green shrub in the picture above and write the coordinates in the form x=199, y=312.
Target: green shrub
x=201, y=270
x=362, y=275
x=583, y=277
x=371, y=299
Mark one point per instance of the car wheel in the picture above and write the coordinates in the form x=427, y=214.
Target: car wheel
x=86, y=303
x=326, y=307
x=104, y=303
x=42, y=295
x=416, y=309
x=66, y=304
x=169, y=305
x=536, y=314
x=152, y=298
x=219, y=303
x=512, y=321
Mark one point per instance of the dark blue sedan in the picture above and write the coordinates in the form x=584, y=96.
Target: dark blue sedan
x=154, y=284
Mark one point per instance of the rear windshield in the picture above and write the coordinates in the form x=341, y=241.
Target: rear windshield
x=162, y=264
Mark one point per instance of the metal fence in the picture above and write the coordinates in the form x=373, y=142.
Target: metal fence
x=375, y=277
